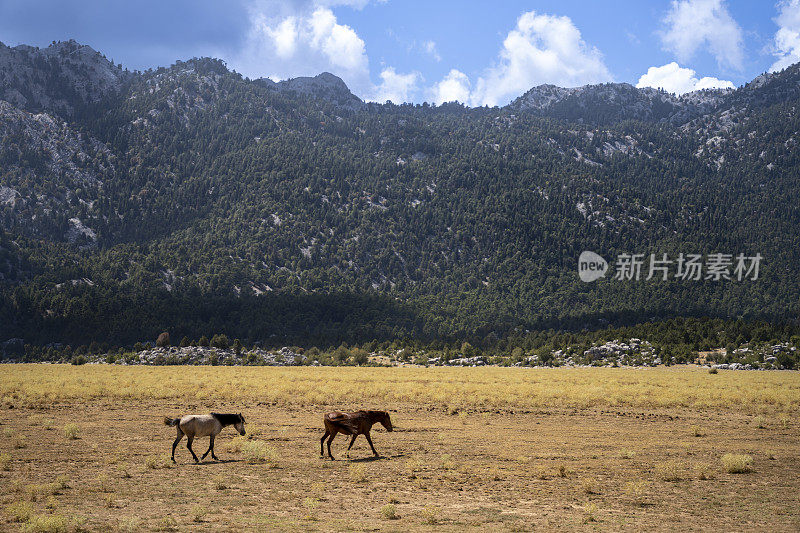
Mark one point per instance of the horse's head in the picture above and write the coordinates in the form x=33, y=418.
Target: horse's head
x=386, y=421
x=240, y=425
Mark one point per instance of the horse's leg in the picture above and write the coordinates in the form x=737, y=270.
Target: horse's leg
x=210, y=447
x=213, y=455
x=322, y=443
x=174, y=444
x=189, y=446
x=370, y=444
x=330, y=439
x=351, y=444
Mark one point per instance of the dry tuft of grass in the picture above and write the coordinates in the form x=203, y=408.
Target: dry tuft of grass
x=636, y=491
x=310, y=504
x=670, y=471
x=220, y=483
x=199, y=513
x=704, y=472
x=358, y=473
x=5, y=462
x=430, y=515
x=259, y=452
x=760, y=422
x=737, y=463
x=71, y=431
x=697, y=431
x=167, y=524
x=447, y=462
x=51, y=523
x=19, y=511
x=590, y=486
x=235, y=444
x=156, y=462
x=590, y=513
x=389, y=512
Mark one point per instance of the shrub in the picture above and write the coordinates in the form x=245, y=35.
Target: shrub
x=220, y=341
x=19, y=511
x=204, y=342
x=163, y=340
x=53, y=523
x=71, y=431
x=760, y=422
x=237, y=346
x=341, y=354
x=79, y=360
x=5, y=462
x=430, y=515
x=713, y=371
x=737, y=463
x=389, y=512
x=360, y=357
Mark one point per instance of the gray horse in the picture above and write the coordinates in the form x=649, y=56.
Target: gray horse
x=203, y=426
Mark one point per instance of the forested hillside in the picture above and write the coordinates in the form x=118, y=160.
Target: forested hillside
x=193, y=200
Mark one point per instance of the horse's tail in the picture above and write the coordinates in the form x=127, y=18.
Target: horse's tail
x=171, y=421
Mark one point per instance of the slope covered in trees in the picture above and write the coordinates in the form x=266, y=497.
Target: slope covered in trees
x=193, y=200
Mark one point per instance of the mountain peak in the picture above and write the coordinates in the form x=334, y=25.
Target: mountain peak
x=325, y=85
x=34, y=78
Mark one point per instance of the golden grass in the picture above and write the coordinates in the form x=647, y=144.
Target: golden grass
x=447, y=388
x=737, y=463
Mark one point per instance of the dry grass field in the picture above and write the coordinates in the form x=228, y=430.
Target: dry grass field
x=503, y=449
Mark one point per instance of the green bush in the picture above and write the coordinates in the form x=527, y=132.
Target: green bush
x=220, y=341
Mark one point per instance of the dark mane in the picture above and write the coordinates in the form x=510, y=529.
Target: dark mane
x=227, y=419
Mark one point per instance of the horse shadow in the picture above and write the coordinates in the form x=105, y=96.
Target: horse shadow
x=217, y=462
x=379, y=458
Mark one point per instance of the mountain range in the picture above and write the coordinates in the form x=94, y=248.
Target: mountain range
x=194, y=200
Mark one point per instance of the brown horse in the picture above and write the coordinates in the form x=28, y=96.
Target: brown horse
x=354, y=424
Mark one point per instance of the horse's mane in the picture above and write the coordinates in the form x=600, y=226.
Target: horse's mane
x=226, y=419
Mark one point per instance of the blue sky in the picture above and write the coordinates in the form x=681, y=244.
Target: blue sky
x=479, y=53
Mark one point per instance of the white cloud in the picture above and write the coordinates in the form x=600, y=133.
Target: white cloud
x=303, y=38
x=675, y=79
x=396, y=87
x=453, y=88
x=692, y=24
x=540, y=49
x=787, y=38
x=430, y=49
